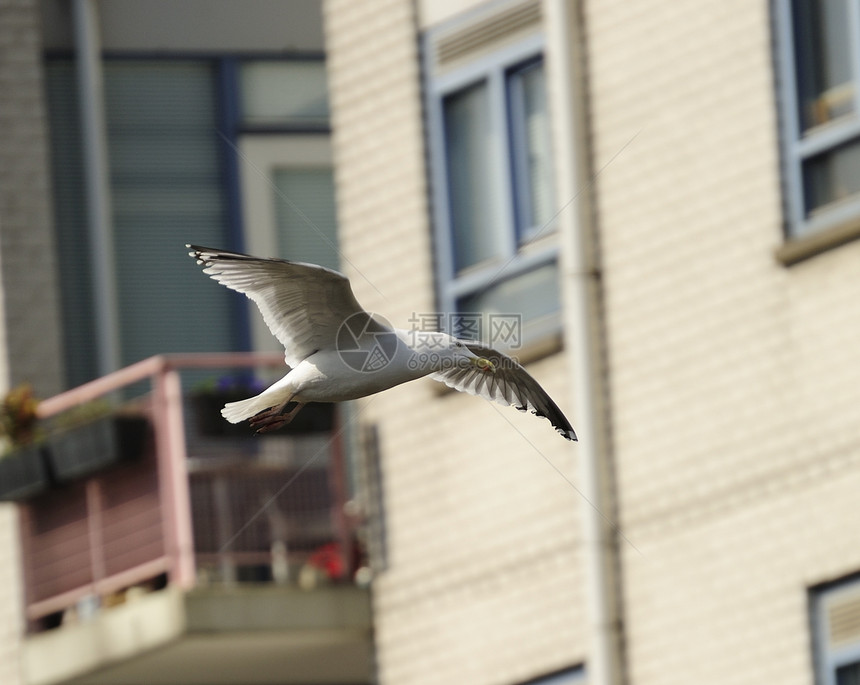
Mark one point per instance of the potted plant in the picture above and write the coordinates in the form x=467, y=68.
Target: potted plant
x=93, y=437
x=209, y=398
x=23, y=470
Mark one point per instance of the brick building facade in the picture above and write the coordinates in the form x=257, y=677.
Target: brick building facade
x=732, y=360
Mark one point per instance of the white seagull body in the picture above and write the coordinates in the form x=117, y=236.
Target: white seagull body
x=337, y=351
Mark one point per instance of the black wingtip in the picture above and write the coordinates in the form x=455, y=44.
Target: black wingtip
x=199, y=253
x=558, y=420
x=196, y=252
x=566, y=431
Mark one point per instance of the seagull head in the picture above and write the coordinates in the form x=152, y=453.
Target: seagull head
x=437, y=352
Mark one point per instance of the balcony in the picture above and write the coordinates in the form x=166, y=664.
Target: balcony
x=222, y=558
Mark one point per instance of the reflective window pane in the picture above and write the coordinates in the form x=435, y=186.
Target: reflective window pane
x=832, y=176
x=166, y=190
x=284, y=94
x=531, y=149
x=848, y=674
x=531, y=297
x=305, y=215
x=824, y=68
x=476, y=231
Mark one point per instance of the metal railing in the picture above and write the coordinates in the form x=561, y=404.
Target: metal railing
x=194, y=509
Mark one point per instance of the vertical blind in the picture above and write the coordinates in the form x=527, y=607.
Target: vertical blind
x=165, y=177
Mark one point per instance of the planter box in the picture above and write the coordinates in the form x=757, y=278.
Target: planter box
x=23, y=473
x=207, y=415
x=91, y=447
x=314, y=418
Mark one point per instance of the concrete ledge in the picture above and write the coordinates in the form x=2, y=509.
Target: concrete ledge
x=111, y=636
x=320, y=657
x=798, y=249
x=257, y=635
x=256, y=608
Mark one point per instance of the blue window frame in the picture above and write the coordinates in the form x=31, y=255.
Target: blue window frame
x=493, y=193
x=567, y=676
x=835, y=618
x=819, y=62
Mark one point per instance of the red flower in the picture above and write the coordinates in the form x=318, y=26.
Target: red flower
x=328, y=559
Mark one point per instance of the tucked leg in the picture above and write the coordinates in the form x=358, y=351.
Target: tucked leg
x=275, y=417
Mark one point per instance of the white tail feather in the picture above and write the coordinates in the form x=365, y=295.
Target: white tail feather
x=235, y=412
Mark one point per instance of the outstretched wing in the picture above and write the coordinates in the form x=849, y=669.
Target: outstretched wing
x=509, y=384
x=303, y=305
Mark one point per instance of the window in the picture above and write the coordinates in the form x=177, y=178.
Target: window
x=179, y=132
x=284, y=161
x=281, y=94
x=166, y=189
x=305, y=211
x=492, y=180
x=288, y=207
x=820, y=80
x=835, y=613
x=567, y=676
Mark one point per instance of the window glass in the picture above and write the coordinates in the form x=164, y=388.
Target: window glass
x=849, y=674
x=567, y=677
x=165, y=179
x=832, y=176
x=305, y=216
x=532, y=296
x=284, y=94
x=166, y=191
x=824, y=65
x=476, y=231
x=531, y=150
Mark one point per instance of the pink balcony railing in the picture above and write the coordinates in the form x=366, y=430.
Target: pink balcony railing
x=193, y=509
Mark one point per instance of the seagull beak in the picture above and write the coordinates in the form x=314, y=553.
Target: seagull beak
x=484, y=364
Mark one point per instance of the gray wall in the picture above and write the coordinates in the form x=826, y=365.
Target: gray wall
x=195, y=25
x=27, y=259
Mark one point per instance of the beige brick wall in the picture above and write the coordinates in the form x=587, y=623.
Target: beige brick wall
x=735, y=381
x=484, y=579
x=11, y=601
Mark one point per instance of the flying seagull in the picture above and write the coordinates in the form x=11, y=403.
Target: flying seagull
x=337, y=351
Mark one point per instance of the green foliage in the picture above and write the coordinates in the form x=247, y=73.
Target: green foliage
x=82, y=413
x=18, y=419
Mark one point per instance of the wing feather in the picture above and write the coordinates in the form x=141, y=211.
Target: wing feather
x=509, y=384
x=303, y=305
